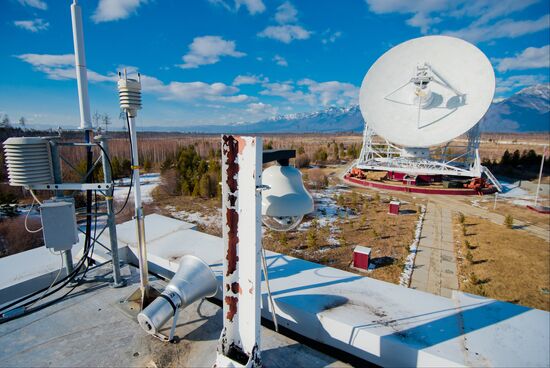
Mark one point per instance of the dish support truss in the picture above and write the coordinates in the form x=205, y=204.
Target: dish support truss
x=452, y=159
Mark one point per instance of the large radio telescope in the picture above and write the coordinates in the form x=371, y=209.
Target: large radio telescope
x=424, y=93
x=427, y=91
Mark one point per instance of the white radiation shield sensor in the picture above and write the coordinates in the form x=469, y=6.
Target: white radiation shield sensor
x=427, y=91
x=286, y=201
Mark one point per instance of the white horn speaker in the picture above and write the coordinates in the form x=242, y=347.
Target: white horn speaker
x=194, y=280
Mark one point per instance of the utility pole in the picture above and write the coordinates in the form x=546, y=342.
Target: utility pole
x=544, y=153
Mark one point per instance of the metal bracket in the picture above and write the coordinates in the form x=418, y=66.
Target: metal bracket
x=70, y=186
x=281, y=156
x=259, y=188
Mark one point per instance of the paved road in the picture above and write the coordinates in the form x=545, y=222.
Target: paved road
x=435, y=268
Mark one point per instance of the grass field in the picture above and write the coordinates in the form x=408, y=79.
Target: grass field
x=502, y=263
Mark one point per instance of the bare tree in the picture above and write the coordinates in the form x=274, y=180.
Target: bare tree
x=122, y=117
x=106, y=120
x=96, y=118
x=5, y=122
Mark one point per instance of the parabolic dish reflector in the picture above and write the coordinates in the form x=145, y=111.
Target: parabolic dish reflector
x=427, y=91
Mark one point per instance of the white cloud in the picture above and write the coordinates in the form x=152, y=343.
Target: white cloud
x=60, y=67
x=192, y=91
x=427, y=13
x=260, y=108
x=313, y=93
x=208, y=50
x=32, y=25
x=249, y=79
x=506, y=28
x=287, y=91
x=421, y=10
x=530, y=58
x=331, y=92
x=109, y=10
x=285, y=33
x=253, y=6
x=38, y=4
x=506, y=85
x=286, y=13
x=330, y=37
x=38, y=60
x=279, y=60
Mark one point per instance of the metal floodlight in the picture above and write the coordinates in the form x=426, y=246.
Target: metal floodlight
x=194, y=280
x=285, y=200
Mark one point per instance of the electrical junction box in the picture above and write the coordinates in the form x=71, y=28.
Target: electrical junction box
x=59, y=225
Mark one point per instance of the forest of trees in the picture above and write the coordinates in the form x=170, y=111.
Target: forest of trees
x=521, y=165
x=187, y=173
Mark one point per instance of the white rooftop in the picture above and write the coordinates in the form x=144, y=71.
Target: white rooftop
x=386, y=324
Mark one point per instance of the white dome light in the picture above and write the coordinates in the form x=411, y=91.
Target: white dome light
x=286, y=201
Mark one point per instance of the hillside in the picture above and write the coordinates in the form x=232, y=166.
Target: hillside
x=526, y=111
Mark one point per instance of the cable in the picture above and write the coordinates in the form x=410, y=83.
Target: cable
x=35, y=197
x=42, y=306
x=27, y=217
x=131, y=165
x=273, y=313
x=65, y=280
x=53, y=282
x=87, y=255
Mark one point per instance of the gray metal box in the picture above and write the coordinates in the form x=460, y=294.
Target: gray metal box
x=59, y=225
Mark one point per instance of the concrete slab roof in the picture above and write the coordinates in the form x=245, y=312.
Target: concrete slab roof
x=91, y=329
x=386, y=324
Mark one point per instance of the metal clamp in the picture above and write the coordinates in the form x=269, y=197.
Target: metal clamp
x=70, y=186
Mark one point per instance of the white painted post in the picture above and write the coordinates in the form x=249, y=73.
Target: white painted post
x=239, y=344
x=540, y=174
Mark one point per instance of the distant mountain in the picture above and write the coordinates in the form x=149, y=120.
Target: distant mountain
x=331, y=120
x=526, y=111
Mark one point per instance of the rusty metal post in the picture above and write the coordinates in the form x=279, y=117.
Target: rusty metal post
x=239, y=343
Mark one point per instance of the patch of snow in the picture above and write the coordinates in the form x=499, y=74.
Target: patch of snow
x=512, y=190
x=148, y=182
x=405, y=278
x=327, y=212
x=196, y=217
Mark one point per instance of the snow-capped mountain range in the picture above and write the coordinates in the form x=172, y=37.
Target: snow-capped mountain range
x=526, y=111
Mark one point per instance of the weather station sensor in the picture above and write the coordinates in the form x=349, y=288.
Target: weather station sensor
x=418, y=97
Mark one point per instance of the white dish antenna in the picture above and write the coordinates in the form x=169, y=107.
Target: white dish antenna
x=427, y=91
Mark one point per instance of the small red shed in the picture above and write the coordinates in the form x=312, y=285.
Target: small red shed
x=361, y=257
x=394, y=207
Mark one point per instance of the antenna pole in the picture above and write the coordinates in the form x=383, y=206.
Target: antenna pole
x=80, y=67
x=84, y=103
x=129, y=91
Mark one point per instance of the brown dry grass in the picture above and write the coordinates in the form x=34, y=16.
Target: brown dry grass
x=504, y=264
x=522, y=213
x=388, y=236
x=204, y=206
x=14, y=238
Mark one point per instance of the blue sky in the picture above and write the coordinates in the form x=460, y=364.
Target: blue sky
x=230, y=61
